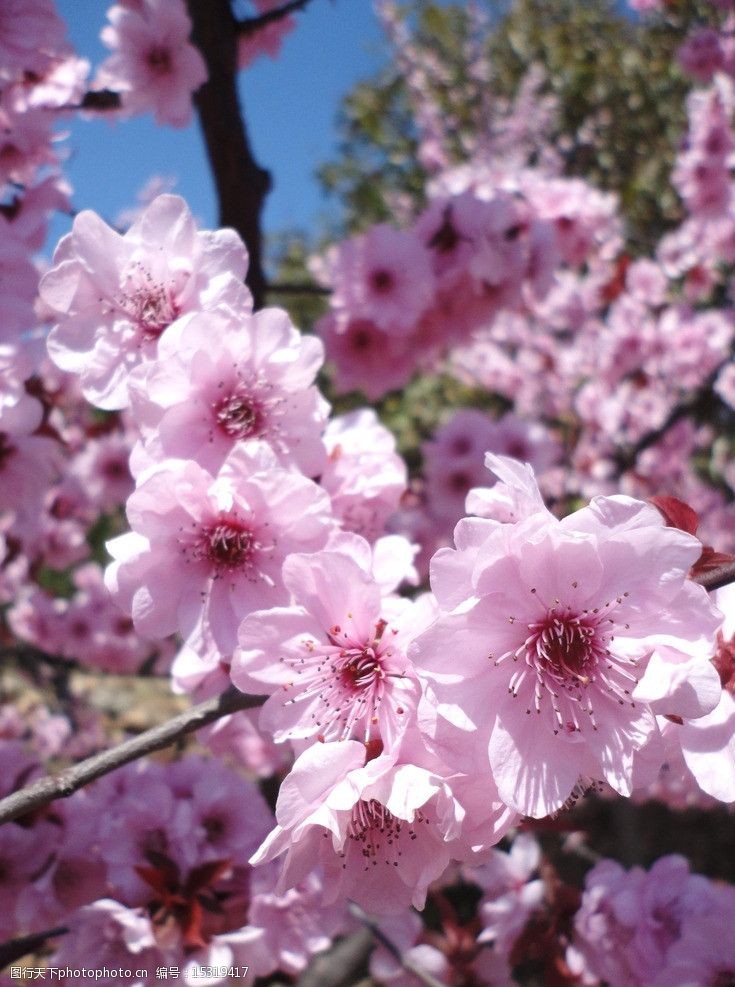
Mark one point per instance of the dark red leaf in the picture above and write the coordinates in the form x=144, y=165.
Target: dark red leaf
x=616, y=284
x=191, y=926
x=155, y=878
x=206, y=874
x=676, y=513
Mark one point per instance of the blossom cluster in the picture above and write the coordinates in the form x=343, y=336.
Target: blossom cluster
x=602, y=347
x=258, y=536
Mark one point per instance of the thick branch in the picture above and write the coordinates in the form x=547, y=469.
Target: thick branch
x=241, y=183
x=716, y=578
x=14, y=949
x=46, y=790
x=249, y=25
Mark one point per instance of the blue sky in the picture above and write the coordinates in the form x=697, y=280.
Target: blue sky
x=290, y=106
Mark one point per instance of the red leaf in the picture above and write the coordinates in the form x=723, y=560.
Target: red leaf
x=676, y=513
x=616, y=284
x=155, y=878
x=192, y=927
x=206, y=874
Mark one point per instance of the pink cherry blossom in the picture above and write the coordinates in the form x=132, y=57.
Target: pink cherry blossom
x=25, y=144
x=19, y=412
x=466, y=234
x=404, y=932
x=708, y=741
x=705, y=953
x=454, y=458
x=103, y=472
x=701, y=55
x=366, y=358
x=514, y=496
x=364, y=475
x=29, y=31
x=293, y=925
x=222, y=380
x=153, y=64
x=585, y=221
x=557, y=622
x=118, y=938
x=383, y=277
x=510, y=895
x=267, y=40
x=27, y=464
x=335, y=662
x=116, y=295
x=382, y=832
x=206, y=551
x=629, y=920
x=18, y=286
x=62, y=83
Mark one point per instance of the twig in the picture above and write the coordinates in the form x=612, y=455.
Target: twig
x=98, y=99
x=716, y=578
x=14, y=949
x=297, y=289
x=48, y=789
x=249, y=25
x=340, y=965
x=377, y=933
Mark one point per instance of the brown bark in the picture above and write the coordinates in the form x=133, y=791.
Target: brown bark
x=240, y=182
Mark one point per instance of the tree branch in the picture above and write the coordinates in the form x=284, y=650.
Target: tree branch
x=716, y=578
x=339, y=966
x=249, y=25
x=48, y=789
x=14, y=949
x=379, y=936
x=99, y=99
x=240, y=182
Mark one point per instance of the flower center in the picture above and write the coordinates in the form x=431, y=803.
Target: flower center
x=378, y=833
x=238, y=415
x=228, y=543
x=158, y=60
x=361, y=670
x=724, y=978
x=566, y=649
x=369, y=816
x=382, y=281
x=115, y=469
x=566, y=661
x=349, y=677
x=361, y=336
x=459, y=482
x=149, y=304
